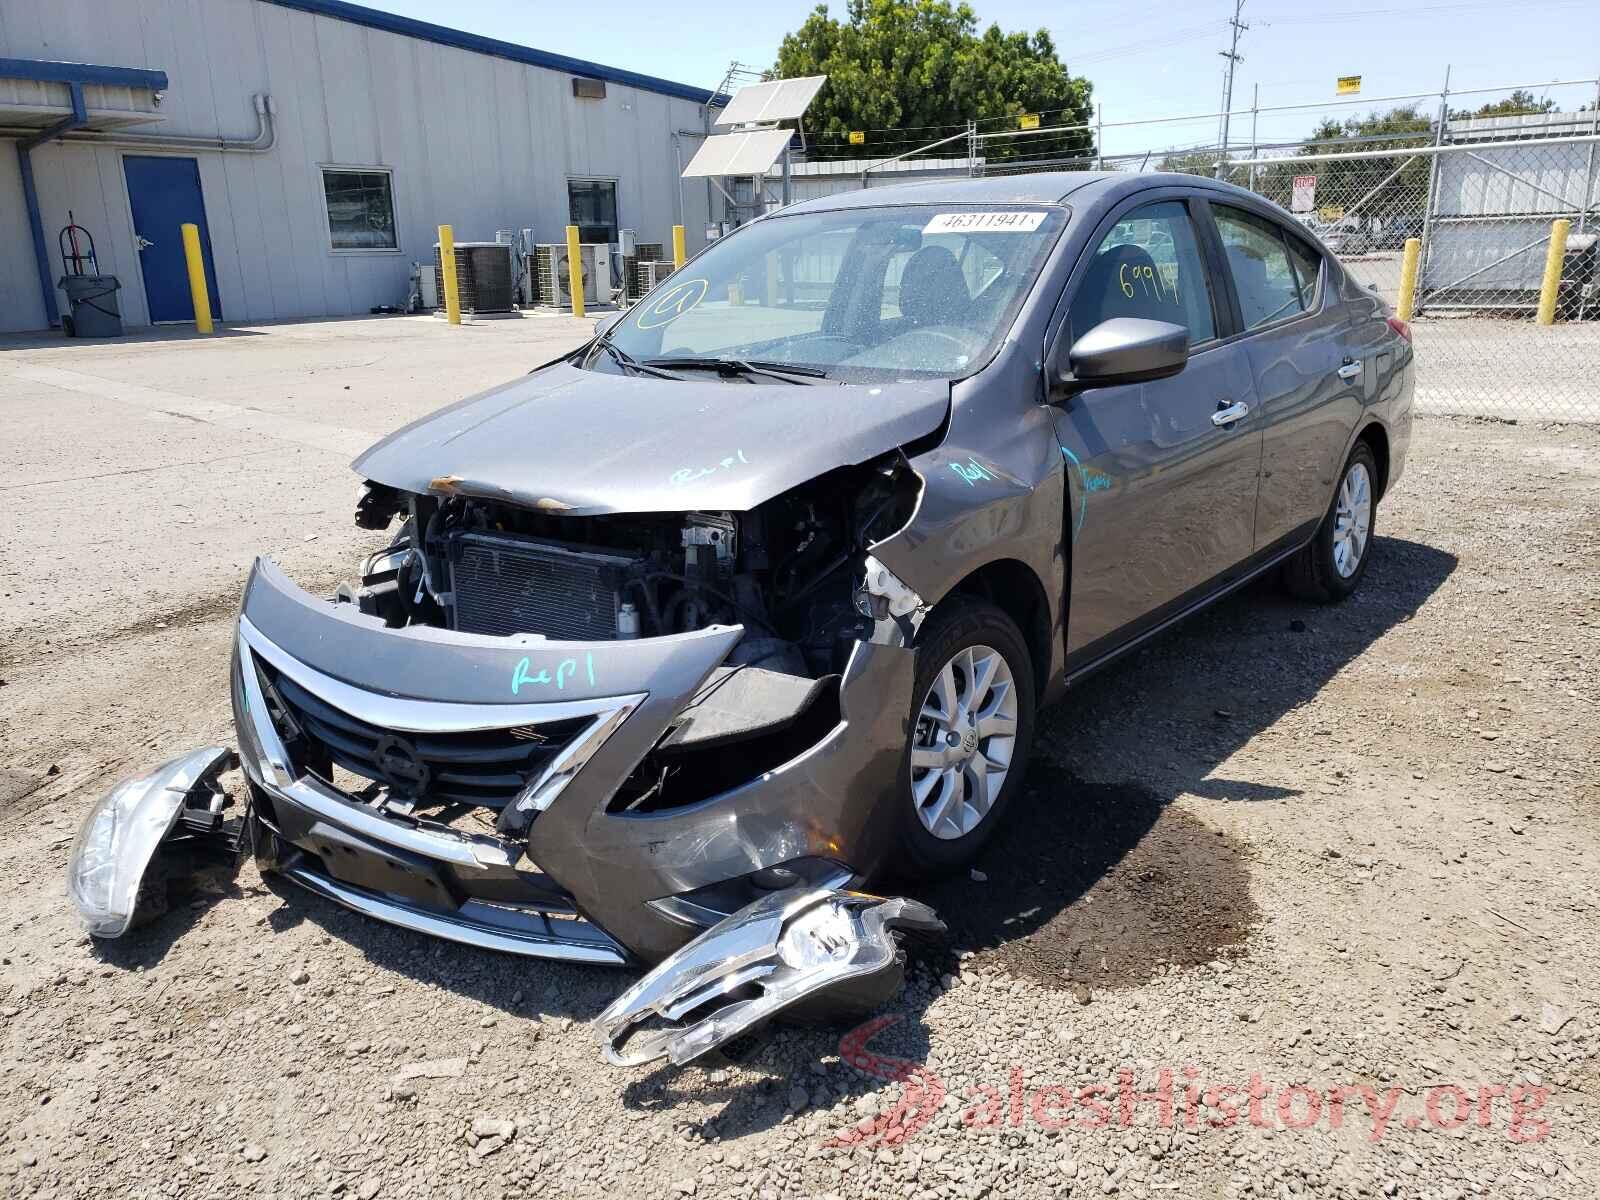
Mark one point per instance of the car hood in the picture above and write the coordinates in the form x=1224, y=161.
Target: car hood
x=584, y=442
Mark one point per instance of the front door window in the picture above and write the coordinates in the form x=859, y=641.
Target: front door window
x=1148, y=266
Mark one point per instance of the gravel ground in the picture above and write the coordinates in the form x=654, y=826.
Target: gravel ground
x=1339, y=848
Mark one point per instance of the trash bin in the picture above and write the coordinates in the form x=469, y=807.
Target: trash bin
x=93, y=299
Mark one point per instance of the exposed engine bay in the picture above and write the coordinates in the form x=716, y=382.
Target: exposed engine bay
x=787, y=571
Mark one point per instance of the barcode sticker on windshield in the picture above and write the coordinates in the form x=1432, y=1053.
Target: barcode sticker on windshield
x=986, y=222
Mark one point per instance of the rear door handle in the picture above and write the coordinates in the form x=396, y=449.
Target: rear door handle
x=1350, y=369
x=1230, y=413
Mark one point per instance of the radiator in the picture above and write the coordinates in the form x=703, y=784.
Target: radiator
x=514, y=585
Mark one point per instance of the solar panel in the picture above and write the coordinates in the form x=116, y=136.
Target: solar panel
x=779, y=100
x=749, y=153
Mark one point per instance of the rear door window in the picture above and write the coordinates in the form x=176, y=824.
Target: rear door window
x=1307, y=266
x=1148, y=266
x=1259, y=261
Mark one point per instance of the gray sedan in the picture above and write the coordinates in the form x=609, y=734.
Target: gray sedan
x=754, y=599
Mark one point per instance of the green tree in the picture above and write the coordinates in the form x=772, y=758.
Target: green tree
x=1342, y=183
x=912, y=71
x=1519, y=103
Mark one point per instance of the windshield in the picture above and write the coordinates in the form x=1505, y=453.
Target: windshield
x=913, y=291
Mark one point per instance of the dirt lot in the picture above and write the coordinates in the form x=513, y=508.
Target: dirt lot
x=1331, y=849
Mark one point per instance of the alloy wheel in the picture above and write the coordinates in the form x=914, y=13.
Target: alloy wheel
x=965, y=736
x=1352, y=520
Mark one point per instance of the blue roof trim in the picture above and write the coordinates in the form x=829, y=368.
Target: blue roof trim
x=41, y=70
x=444, y=36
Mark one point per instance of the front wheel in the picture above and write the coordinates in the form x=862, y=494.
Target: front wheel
x=1332, y=564
x=971, y=729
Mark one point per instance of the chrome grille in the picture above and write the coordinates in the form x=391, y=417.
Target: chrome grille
x=481, y=768
x=509, y=585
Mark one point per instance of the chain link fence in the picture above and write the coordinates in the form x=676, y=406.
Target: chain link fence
x=1504, y=290
x=1501, y=214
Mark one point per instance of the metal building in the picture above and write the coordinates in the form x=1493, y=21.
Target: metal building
x=1492, y=204
x=317, y=144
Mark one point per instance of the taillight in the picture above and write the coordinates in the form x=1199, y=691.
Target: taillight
x=1400, y=327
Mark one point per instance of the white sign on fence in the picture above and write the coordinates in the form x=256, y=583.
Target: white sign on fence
x=1304, y=196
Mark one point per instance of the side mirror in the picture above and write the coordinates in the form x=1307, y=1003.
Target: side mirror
x=1119, y=350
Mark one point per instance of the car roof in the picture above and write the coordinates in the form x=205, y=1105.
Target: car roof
x=1046, y=187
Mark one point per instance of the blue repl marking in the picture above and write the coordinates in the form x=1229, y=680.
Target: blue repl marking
x=971, y=471
x=1096, y=481
x=1083, y=492
x=565, y=670
x=689, y=474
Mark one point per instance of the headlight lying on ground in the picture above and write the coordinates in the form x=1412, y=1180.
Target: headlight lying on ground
x=803, y=950
x=122, y=832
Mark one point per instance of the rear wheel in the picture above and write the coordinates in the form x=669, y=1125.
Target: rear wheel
x=1333, y=563
x=971, y=729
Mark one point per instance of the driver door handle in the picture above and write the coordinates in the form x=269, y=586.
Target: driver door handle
x=1228, y=414
x=142, y=242
x=1351, y=369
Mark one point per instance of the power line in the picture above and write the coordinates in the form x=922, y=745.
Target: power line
x=1234, y=59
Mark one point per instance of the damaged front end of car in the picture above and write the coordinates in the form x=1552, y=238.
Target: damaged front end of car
x=610, y=737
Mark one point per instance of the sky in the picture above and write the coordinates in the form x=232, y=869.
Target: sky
x=1146, y=59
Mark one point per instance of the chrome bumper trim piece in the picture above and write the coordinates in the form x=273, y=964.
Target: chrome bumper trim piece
x=581, y=943
x=552, y=781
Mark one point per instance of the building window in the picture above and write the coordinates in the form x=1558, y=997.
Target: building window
x=592, y=207
x=360, y=209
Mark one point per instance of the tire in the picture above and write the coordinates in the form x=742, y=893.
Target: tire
x=965, y=635
x=1322, y=570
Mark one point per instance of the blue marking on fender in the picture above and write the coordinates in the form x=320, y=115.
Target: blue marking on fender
x=1083, y=492
x=971, y=471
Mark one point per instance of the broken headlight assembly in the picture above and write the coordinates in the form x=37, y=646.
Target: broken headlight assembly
x=109, y=871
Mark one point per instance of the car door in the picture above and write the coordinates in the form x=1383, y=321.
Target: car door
x=1308, y=375
x=1161, y=475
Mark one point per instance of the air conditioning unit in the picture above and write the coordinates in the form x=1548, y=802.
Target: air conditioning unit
x=644, y=252
x=553, y=282
x=483, y=277
x=652, y=273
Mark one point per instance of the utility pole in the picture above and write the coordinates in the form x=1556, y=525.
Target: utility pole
x=1234, y=59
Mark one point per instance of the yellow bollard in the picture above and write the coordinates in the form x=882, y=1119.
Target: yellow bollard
x=447, y=268
x=575, y=270
x=1408, y=278
x=1559, y=229
x=197, y=278
x=679, y=257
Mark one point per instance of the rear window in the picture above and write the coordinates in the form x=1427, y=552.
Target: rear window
x=1259, y=261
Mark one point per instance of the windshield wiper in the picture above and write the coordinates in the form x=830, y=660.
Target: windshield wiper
x=629, y=363
x=786, y=372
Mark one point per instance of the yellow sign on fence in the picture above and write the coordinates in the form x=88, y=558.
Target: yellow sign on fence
x=1349, y=85
x=858, y=137
x=1028, y=121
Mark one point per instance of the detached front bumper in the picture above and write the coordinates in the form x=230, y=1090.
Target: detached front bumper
x=584, y=882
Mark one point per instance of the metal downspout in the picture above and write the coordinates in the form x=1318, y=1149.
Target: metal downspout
x=30, y=197
x=265, y=138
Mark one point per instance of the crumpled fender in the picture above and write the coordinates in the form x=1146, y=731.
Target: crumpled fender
x=822, y=950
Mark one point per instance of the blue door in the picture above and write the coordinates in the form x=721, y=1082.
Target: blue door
x=164, y=194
